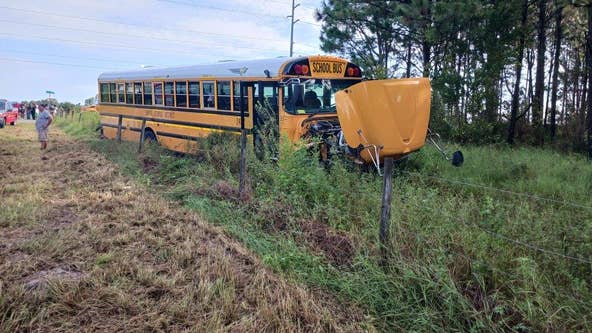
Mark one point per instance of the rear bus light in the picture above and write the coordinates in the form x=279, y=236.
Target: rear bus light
x=353, y=71
x=301, y=69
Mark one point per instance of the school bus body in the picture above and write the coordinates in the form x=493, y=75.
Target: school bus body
x=180, y=105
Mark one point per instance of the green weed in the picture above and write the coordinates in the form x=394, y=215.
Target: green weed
x=484, y=247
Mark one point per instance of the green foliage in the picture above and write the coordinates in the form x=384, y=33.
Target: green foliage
x=469, y=49
x=447, y=268
x=81, y=124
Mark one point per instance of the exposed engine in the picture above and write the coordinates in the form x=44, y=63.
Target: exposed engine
x=326, y=133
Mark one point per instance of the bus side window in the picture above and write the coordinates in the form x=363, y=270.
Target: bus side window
x=157, y=93
x=129, y=93
x=271, y=95
x=120, y=93
x=224, y=95
x=181, y=90
x=138, y=92
x=194, y=94
x=148, y=93
x=169, y=94
x=236, y=94
x=104, y=87
x=208, y=94
x=112, y=93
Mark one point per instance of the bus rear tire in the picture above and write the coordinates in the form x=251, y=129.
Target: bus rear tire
x=150, y=137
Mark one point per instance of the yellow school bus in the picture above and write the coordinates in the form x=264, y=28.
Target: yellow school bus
x=322, y=96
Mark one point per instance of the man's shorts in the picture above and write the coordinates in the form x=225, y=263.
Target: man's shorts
x=42, y=135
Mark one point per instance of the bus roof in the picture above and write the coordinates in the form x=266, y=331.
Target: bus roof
x=230, y=69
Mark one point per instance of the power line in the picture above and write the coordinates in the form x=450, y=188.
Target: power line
x=191, y=4
x=77, y=58
x=38, y=12
x=107, y=45
x=54, y=63
x=125, y=34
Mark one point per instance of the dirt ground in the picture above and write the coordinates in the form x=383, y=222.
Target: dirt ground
x=84, y=248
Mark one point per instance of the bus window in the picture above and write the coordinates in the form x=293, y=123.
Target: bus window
x=112, y=93
x=138, y=92
x=313, y=96
x=148, y=93
x=129, y=93
x=181, y=91
x=236, y=95
x=169, y=94
x=269, y=94
x=157, y=93
x=104, y=89
x=120, y=93
x=194, y=94
x=224, y=95
x=208, y=94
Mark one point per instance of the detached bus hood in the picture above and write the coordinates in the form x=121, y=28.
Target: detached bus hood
x=392, y=115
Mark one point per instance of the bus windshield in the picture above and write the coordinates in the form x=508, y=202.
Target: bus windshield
x=313, y=96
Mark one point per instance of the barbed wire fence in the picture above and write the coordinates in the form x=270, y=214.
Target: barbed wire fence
x=549, y=253
x=499, y=190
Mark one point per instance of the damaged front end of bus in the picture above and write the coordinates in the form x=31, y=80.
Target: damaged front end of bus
x=375, y=119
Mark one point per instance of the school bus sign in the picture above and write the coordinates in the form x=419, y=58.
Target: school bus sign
x=323, y=67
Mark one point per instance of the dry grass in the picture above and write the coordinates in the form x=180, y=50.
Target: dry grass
x=82, y=248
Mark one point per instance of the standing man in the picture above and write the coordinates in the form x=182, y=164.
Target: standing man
x=42, y=124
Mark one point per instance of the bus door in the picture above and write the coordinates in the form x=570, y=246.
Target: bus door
x=266, y=118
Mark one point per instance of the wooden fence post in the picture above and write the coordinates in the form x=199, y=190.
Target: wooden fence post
x=142, y=135
x=243, y=153
x=119, y=123
x=243, y=168
x=385, y=217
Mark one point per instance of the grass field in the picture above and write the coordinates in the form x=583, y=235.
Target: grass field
x=85, y=248
x=501, y=244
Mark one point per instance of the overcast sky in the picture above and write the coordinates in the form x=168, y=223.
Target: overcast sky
x=63, y=45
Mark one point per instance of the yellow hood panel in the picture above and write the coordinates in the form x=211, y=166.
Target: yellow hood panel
x=392, y=114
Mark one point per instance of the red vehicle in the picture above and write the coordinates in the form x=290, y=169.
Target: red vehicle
x=8, y=113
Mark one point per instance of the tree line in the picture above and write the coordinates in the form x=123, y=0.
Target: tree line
x=501, y=71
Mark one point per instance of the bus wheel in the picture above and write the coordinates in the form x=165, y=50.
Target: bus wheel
x=150, y=137
x=12, y=124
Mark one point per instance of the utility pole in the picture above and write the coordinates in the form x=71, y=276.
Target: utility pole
x=589, y=64
x=292, y=27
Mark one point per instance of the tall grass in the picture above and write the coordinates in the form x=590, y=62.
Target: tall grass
x=486, y=247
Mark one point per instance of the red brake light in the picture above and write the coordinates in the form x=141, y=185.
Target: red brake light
x=298, y=69
x=351, y=71
x=305, y=69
